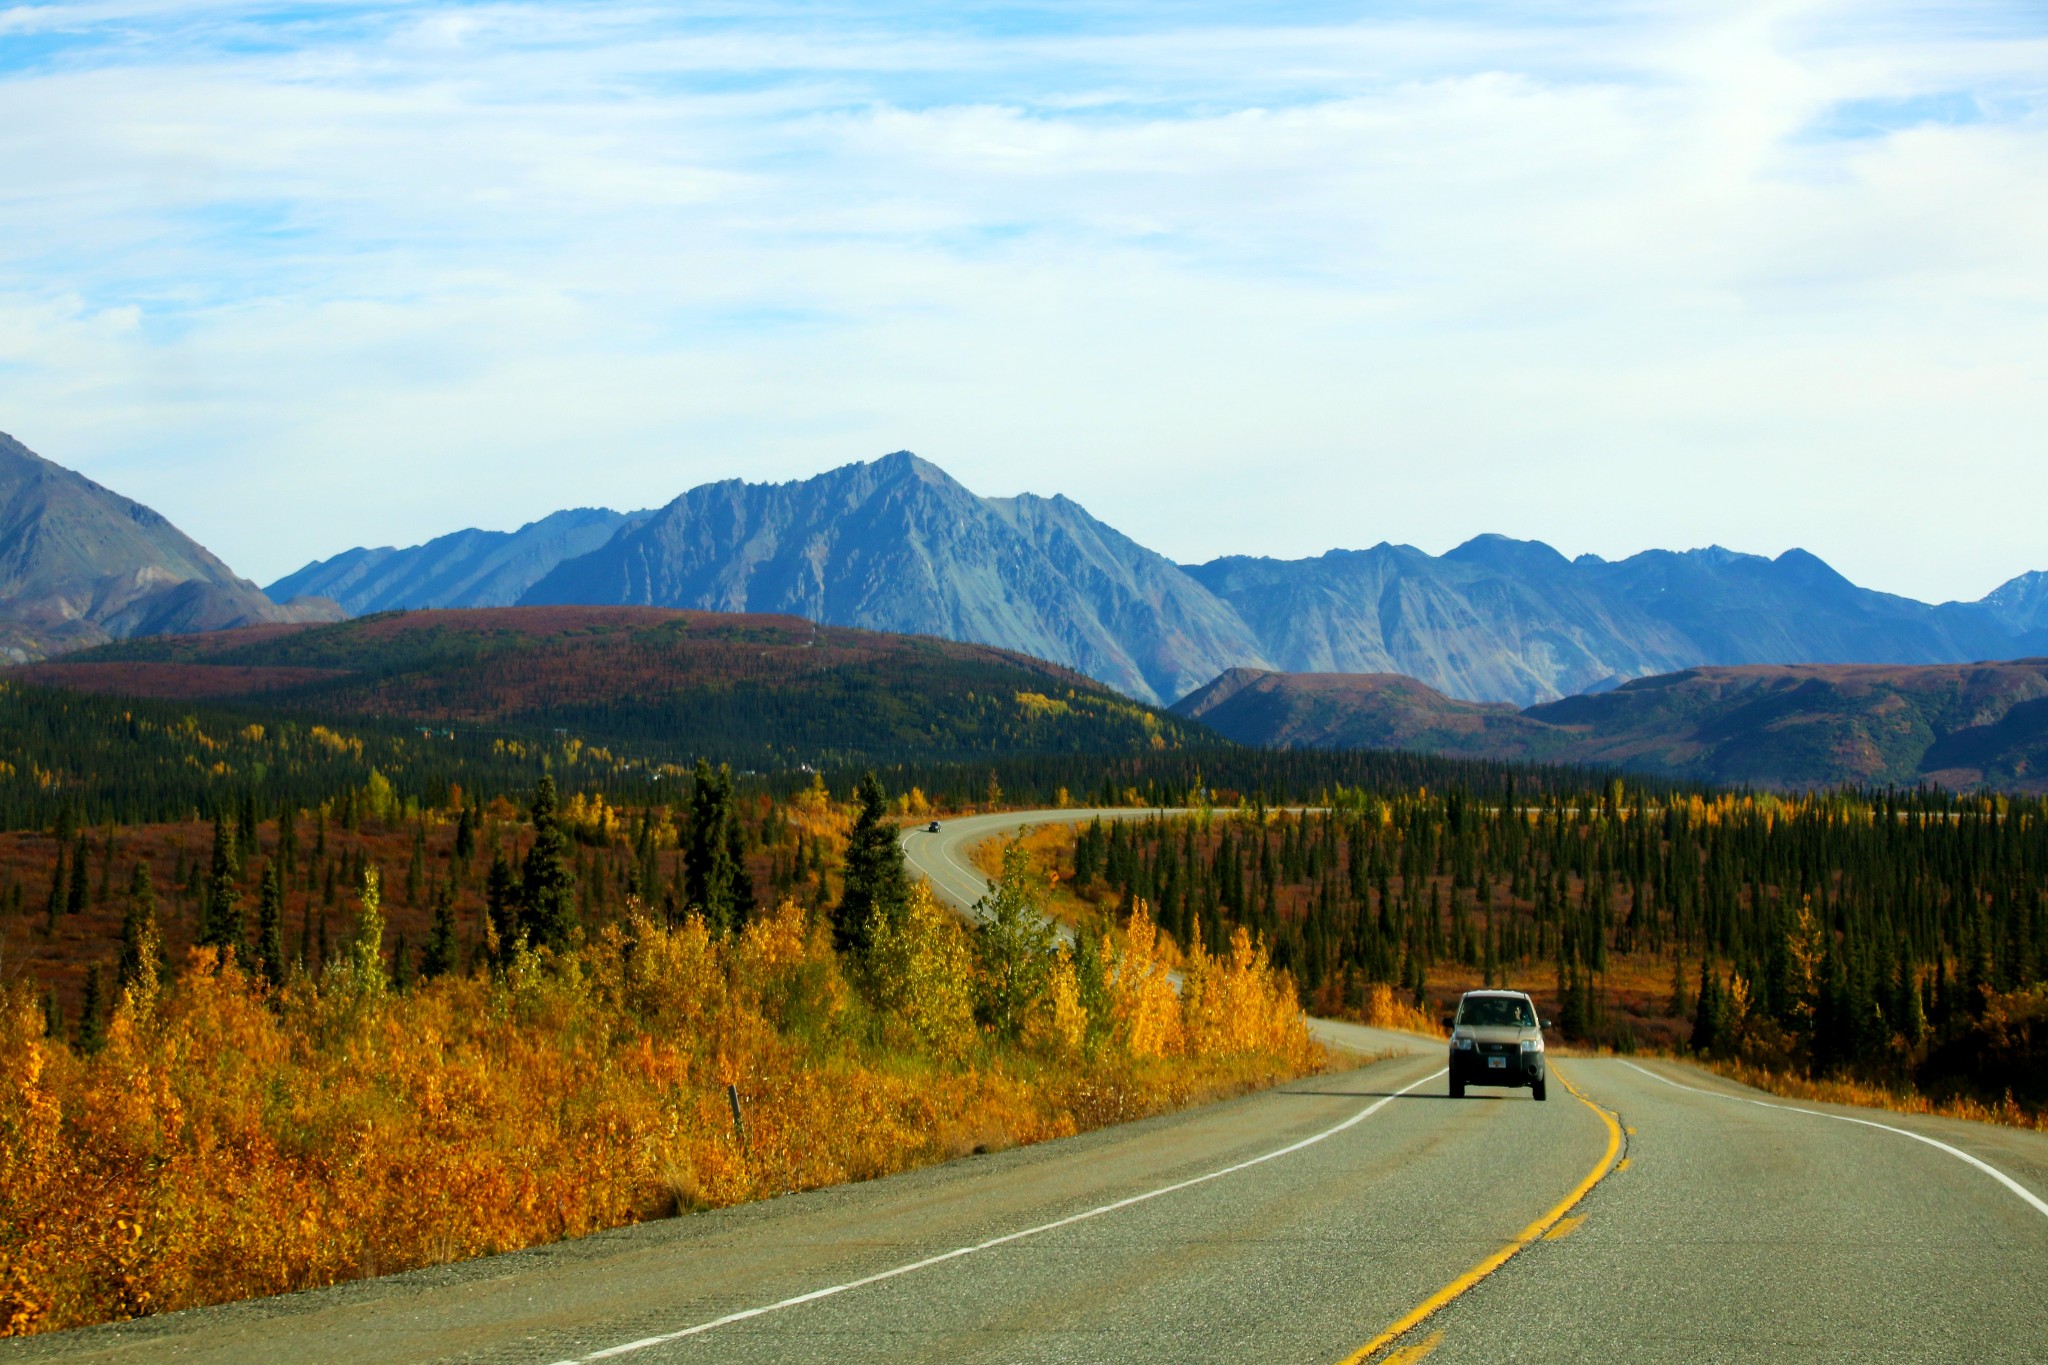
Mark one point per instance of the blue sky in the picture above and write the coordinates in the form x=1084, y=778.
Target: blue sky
x=1241, y=279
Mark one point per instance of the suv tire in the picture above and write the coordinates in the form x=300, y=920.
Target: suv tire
x=1539, y=1090
x=1457, y=1088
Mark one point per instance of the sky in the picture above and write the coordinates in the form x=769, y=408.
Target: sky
x=1240, y=279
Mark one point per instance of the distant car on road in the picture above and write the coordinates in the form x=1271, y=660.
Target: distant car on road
x=932, y=828
x=1496, y=1039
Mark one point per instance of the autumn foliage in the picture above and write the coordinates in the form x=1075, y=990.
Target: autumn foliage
x=231, y=1138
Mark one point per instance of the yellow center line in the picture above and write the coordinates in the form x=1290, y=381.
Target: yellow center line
x=1532, y=1233
x=1564, y=1228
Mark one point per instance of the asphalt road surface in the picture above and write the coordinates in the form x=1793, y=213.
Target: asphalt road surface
x=1667, y=1215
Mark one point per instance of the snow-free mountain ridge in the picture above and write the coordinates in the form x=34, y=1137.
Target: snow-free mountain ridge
x=81, y=565
x=897, y=544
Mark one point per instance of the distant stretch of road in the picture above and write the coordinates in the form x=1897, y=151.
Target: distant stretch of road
x=1665, y=1216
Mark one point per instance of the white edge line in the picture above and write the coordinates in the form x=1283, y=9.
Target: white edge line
x=2040, y=1205
x=645, y=1343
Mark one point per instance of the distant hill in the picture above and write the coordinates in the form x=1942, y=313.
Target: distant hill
x=760, y=691
x=80, y=565
x=896, y=544
x=466, y=569
x=1959, y=726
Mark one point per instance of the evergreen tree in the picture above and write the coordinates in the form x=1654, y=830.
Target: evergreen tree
x=74, y=903
x=547, y=896
x=1710, y=1017
x=501, y=903
x=438, y=958
x=287, y=843
x=270, y=928
x=60, y=890
x=465, y=836
x=220, y=906
x=416, y=867
x=91, y=1031
x=710, y=874
x=138, y=925
x=53, y=1015
x=875, y=886
x=736, y=856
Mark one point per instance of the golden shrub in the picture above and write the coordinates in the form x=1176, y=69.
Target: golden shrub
x=234, y=1139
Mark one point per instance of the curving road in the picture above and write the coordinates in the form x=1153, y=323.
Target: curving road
x=1666, y=1216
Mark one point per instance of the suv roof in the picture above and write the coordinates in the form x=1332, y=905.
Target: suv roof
x=1512, y=995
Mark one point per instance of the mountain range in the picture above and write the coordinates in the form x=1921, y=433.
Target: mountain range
x=896, y=544
x=1955, y=725
x=81, y=565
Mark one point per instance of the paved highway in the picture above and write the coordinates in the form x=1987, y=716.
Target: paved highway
x=1666, y=1216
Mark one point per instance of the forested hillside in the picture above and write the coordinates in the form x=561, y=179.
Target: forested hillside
x=1957, y=725
x=767, y=693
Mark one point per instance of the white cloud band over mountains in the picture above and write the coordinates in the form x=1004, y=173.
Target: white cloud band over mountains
x=1260, y=279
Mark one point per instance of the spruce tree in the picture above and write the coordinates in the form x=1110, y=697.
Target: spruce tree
x=287, y=843
x=91, y=1032
x=708, y=870
x=501, y=903
x=1709, y=1015
x=220, y=906
x=736, y=856
x=416, y=867
x=875, y=886
x=74, y=903
x=438, y=958
x=270, y=928
x=60, y=891
x=547, y=894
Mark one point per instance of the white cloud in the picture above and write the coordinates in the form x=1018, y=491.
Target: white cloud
x=1237, y=286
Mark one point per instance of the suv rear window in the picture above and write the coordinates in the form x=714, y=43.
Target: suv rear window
x=1492, y=1011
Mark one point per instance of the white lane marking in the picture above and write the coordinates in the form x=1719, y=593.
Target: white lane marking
x=2040, y=1206
x=645, y=1343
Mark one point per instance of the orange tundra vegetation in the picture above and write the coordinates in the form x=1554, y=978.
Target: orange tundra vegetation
x=229, y=1138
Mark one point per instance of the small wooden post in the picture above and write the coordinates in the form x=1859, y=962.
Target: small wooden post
x=739, y=1122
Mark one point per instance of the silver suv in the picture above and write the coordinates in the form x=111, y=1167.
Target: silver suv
x=1496, y=1039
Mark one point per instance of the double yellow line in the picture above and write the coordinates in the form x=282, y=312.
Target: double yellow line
x=1534, y=1232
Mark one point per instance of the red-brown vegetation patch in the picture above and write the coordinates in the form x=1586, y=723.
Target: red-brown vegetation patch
x=171, y=682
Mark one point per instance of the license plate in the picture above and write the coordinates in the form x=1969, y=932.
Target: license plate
x=1497, y=1063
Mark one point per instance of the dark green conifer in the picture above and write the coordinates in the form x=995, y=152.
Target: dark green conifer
x=438, y=958
x=91, y=1028
x=60, y=890
x=416, y=867
x=501, y=903
x=74, y=903
x=1709, y=1015
x=875, y=886
x=547, y=893
x=287, y=843
x=220, y=905
x=270, y=927
x=710, y=876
